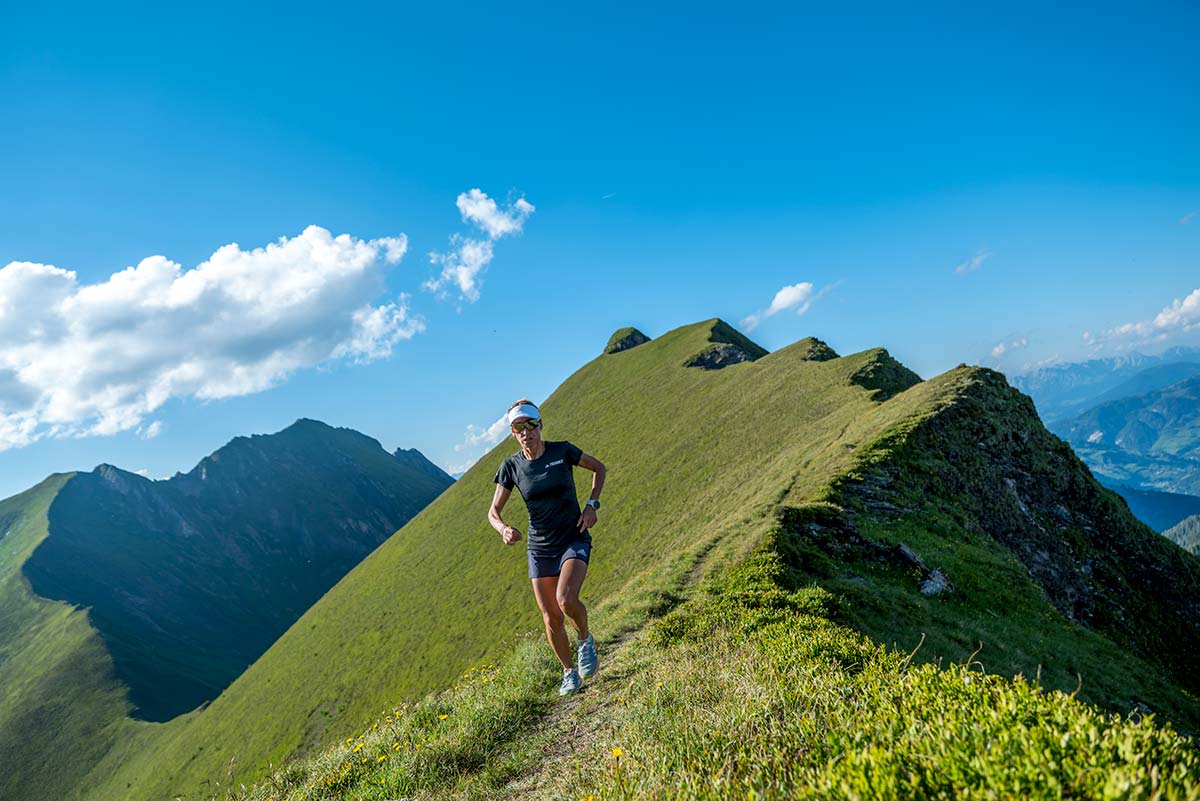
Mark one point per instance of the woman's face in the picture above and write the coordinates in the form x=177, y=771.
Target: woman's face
x=529, y=438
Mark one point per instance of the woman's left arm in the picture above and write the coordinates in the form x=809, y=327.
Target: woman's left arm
x=587, y=518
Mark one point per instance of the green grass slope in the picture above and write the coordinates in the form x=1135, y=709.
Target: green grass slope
x=750, y=689
x=59, y=686
x=706, y=467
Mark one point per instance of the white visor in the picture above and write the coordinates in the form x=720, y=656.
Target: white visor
x=524, y=410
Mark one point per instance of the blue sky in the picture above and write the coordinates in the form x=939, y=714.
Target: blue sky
x=683, y=163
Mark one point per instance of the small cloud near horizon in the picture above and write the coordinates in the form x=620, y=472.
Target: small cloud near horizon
x=1003, y=347
x=1180, y=316
x=975, y=262
x=796, y=296
x=481, y=438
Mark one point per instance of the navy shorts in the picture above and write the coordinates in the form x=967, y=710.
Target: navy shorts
x=549, y=563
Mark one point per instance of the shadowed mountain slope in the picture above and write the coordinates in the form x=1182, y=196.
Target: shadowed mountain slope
x=838, y=459
x=189, y=580
x=173, y=587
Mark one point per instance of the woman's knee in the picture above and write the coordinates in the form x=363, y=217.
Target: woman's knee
x=568, y=603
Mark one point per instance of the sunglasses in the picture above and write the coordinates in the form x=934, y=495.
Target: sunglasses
x=528, y=425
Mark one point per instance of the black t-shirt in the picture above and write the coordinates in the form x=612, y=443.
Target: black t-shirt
x=547, y=484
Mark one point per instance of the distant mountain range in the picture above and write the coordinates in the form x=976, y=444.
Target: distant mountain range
x=1062, y=391
x=1151, y=440
x=1135, y=421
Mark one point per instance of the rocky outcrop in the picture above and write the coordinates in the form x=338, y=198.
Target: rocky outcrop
x=719, y=355
x=813, y=350
x=985, y=459
x=728, y=346
x=624, y=339
x=885, y=375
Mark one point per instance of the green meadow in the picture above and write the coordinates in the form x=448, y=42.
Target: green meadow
x=759, y=636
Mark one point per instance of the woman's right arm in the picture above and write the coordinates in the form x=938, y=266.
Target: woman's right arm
x=510, y=534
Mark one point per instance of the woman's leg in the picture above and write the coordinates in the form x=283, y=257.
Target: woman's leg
x=544, y=589
x=570, y=582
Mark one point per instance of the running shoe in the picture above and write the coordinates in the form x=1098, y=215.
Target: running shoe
x=588, y=663
x=571, y=682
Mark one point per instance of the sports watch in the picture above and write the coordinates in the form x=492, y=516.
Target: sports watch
x=595, y=504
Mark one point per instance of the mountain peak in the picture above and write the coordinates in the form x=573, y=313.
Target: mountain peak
x=814, y=350
x=727, y=346
x=418, y=461
x=624, y=339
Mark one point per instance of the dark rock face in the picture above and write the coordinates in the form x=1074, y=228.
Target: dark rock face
x=814, y=350
x=719, y=355
x=190, y=580
x=624, y=339
x=885, y=375
x=988, y=455
x=728, y=346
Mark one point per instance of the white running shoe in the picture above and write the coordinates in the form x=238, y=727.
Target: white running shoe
x=570, y=683
x=588, y=662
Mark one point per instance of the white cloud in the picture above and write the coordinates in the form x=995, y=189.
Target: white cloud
x=1017, y=343
x=78, y=360
x=797, y=296
x=480, y=209
x=1180, y=316
x=974, y=263
x=459, y=468
x=150, y=431
x=1187, y=218
x=476, y=436
x=144, y=472
x=461, y=267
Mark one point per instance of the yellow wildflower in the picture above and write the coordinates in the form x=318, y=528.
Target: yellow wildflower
x=618, y=753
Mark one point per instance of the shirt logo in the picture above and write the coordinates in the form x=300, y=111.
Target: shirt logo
x=560, y=461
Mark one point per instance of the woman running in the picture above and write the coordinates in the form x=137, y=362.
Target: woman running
x=559, y=538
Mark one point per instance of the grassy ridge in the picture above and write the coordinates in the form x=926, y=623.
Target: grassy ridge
x=444, y=593
x=700, y=464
